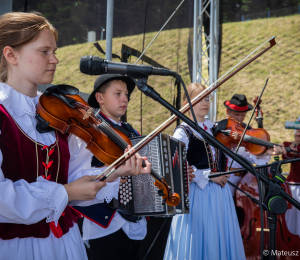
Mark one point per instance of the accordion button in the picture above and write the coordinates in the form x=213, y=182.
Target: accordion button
x=127, y=191
x=130, y=198
x=106, y=217
x=121, y=201
x=125, y=202
x=129, y=180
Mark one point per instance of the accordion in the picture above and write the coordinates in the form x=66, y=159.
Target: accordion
x=140, y=197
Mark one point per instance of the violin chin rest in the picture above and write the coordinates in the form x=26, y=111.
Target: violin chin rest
x=67, y=89
x=62, y=89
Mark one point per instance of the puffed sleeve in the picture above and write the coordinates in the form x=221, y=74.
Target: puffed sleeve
x=80, y=165
x=201, y=176
x=259, y=160
x=28, y=203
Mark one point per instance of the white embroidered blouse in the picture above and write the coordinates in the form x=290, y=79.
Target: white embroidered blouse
x=27, y=203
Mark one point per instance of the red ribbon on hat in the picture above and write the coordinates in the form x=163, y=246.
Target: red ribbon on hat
x=235, y=107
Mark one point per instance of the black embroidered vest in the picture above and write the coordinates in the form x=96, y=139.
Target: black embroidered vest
x=199, y=153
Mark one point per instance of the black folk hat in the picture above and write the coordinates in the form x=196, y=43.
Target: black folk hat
x=238, y=103
x=105, y=78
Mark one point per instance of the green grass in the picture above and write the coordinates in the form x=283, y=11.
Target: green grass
x=280, y=64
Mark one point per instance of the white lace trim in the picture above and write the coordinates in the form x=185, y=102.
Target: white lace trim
x=56, y=195
x=18, y=102
x=201, y=178
x=260, y=160
x=109, y=192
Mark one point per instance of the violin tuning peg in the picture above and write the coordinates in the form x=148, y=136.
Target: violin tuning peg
x=160, y=192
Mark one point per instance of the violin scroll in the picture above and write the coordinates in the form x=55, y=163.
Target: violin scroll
x=172, y=200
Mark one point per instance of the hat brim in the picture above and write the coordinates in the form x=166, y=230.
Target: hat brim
x=92, y=101
x=250, y=107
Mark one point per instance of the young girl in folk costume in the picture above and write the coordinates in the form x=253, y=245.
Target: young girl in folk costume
x=40, y=172
x=211, y=230
x=292, y=216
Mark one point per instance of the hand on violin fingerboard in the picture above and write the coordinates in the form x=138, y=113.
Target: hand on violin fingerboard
x=133, y=166
x=276, y=150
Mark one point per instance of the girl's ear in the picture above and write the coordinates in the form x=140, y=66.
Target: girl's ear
x=10, y=55
x=99, y=97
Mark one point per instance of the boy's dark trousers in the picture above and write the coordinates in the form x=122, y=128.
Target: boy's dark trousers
x=116, y=246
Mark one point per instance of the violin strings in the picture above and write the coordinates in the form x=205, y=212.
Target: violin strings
x=257, y=141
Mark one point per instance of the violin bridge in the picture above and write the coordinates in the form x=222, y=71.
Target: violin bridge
x=88, y=113
x=265, y=230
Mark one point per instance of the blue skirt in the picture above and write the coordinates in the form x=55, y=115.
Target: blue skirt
x=210, y=231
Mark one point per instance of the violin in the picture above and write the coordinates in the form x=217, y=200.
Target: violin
x=256, y=140
x=61, y=108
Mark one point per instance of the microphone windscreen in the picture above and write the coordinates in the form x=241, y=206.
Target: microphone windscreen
x=292, y=125
x=91, y=65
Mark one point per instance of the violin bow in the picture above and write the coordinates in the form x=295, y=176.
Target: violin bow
x=243, y=135
x=184, y=109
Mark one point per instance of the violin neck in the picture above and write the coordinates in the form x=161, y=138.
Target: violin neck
x=258, y=141
x=118, y=140
x=260, y=122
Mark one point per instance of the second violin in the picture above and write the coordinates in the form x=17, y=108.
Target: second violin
x=256, y=140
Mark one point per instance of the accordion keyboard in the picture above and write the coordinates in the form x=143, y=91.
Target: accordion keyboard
x=125, y=191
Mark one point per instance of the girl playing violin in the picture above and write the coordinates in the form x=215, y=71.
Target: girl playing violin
x=40, y=172
x=211, y=230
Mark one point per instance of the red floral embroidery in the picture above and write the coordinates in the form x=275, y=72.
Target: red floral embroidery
x=47, y=178
x=47, y=166
x=56, y=230
x=51, y=151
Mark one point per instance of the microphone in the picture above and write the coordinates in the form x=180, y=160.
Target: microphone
x=93, y=65
x=292, y=125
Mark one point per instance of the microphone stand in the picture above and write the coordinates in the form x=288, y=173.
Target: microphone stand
x=150, y=92
x=256, y=167
x=275, y=190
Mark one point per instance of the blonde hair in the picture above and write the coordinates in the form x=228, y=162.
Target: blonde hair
x=193, y=89
x=18, y=29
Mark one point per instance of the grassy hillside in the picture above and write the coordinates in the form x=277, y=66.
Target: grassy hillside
x=280, y=65
x=164, y=51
